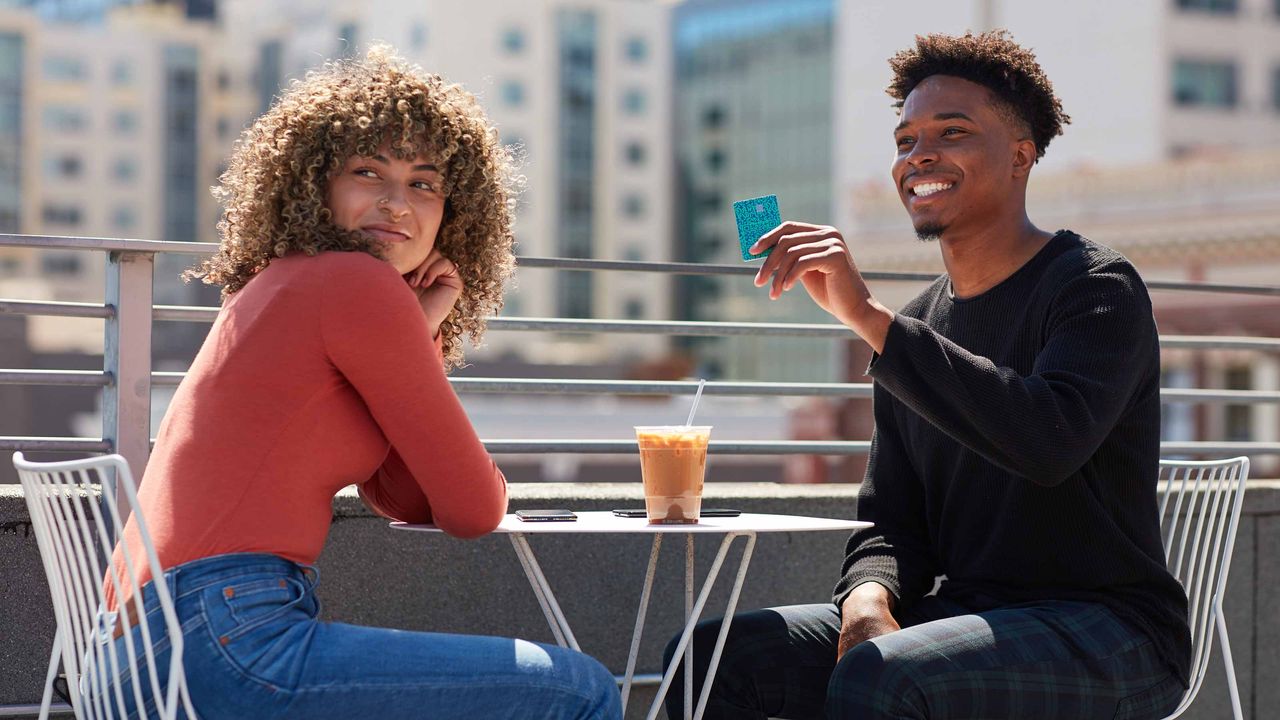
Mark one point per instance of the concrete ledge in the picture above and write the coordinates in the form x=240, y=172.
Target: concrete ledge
x=377, y=576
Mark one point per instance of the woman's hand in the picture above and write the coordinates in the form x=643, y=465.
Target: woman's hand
x=438, y=286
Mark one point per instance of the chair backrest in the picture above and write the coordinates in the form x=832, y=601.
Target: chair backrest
x=75, y=534
x=1199, y=512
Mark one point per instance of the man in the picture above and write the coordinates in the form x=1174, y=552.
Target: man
x=1016, y=447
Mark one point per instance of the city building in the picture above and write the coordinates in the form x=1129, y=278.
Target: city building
x=107, y=129
x=753, y=114
x=578, y=89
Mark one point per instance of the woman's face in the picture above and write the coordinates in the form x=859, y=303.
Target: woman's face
x=399, y=202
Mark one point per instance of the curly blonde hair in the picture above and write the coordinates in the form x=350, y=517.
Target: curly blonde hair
x=273, y=191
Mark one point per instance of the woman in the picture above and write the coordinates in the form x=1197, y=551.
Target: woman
x=367, y=227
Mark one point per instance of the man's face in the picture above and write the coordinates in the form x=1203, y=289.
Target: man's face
x=955, y=167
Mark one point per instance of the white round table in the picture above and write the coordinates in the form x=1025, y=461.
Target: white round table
x=746, y=525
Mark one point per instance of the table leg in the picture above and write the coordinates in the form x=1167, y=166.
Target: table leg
x=688, y=613
x=724, y=628
x=696, y=612
x=644, y=608
x=542, y=590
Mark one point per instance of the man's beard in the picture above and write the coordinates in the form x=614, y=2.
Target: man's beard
x=929, y=232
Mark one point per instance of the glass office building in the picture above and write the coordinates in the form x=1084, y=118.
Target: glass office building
x=752, y=117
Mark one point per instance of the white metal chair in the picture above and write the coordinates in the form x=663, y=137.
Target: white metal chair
x=75, y=535
x=1199, y=512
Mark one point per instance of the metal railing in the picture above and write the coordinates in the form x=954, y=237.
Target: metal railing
x=127, y=376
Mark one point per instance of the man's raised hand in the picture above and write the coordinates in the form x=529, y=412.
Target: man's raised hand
x=818, y=257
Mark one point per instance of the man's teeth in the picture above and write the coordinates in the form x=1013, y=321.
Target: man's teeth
x=925, y=189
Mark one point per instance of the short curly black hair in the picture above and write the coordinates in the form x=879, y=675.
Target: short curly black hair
x=991, y=59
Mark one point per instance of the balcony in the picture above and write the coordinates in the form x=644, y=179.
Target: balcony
x=372, y=575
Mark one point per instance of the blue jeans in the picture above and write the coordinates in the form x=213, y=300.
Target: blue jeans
x=254, y=649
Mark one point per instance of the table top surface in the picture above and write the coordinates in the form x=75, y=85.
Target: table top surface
x=604, y=521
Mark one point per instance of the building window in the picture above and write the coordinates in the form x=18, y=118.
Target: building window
x=223, y=80
x=633, y=206
x=513, y=93
x=63, y=167
x=636, y=49
x=9, y=220
x=64, y=119
x=122, y=73
x=1225, y=7
x=1205, y=83
x=182, y=122
x=513, y=41
x=716, y=160
x=633, y=101
x=575, y=292
x=61, y=214
x=124, y=218
x=633, y=309
x=63, y=68
x=1275, y=80
x=124, y=169
x=709, y=245
x=1239, y=418
x=269, y=72
x=347, y=39
x=418, y=36
x=182, y=80
x=124, y=121
x=713, y=117
x=54, y=263
x=635, y=153
x=1177, y=419
x=633, y=253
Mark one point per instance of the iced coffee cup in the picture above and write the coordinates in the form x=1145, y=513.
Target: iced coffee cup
x=673, y=461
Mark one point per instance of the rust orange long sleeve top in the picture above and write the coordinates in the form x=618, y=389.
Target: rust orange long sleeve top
x=319, y=373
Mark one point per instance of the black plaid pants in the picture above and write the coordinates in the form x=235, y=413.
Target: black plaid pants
x=1041, y=661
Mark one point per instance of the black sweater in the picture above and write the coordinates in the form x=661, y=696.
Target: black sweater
x=1016, y=447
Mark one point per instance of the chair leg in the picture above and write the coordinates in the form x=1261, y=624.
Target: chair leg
x=55, y=659
x=1221, y=622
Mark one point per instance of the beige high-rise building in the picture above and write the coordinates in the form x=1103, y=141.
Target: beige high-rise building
x=119, y=133
x=581, y=89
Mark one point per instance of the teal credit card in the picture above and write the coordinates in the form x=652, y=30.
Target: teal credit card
x=755, y=217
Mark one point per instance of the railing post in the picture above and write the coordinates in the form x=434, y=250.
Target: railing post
x=126, y=402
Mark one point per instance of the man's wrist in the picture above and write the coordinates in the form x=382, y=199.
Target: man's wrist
x=868, y=593
x=871, y=323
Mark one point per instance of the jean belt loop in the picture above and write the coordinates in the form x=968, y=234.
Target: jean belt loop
x=171, y=579
x=312, y=573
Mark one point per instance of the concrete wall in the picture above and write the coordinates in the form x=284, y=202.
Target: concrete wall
x=374, y=575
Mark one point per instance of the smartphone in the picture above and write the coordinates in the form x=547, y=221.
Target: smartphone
x=546, y=515
x=706, y=512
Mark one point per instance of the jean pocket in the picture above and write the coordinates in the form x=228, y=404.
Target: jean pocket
x=1153, y=703
x=249, y=602
x=257, y=624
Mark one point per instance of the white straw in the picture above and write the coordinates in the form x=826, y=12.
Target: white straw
x=701, y=384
